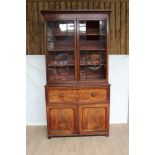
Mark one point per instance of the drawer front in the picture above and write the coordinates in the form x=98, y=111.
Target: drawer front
x=61, y=95
x=93, y=95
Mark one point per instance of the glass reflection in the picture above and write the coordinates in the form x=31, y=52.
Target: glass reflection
x=66, y=27
x=82, y=27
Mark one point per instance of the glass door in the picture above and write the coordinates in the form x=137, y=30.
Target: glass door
x=60, y=50
x=92, y=49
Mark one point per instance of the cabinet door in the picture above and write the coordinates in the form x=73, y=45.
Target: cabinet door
x=92, y=47
x=93, y=119
x=62, y=119
x=60, y=45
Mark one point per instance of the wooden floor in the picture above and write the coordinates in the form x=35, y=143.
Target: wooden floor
x=115, y=144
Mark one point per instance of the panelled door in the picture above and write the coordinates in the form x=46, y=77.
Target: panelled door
x=93, y=118
x=62, y=119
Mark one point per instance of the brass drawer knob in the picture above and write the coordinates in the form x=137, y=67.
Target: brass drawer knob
x=93, y=94
x=61, y=95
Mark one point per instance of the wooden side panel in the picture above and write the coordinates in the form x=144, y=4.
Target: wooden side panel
x=107, y=6
x=35, y=28
x=96, y=5
x=127, y=28
x=41, y=29
x=57, y=5
x=123, y=27
x=79, y=4
x=85, y=5
x=74, y=4
x=101, y=4
x=118, y=21
x=112, y=29
x=51, y=5
x=46, y=5
x=62, y=120
x=68, y=5
x=91, y=4
x=32, y=37
x=29, y=28
x=93, y=118
x=63, y=5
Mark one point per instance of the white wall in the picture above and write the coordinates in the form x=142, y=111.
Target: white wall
x=118, y=77
x=36, y=79
x=35, y=94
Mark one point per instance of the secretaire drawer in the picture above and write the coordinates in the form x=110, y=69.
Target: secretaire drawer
x=61, y=95
x=93, y=95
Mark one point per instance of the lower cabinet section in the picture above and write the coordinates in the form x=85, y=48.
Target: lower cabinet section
x=93, y=119
x=90, y=119
x=77, y=111
x=62, y=120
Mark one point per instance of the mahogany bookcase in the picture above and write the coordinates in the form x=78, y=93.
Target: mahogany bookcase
x=77, y=89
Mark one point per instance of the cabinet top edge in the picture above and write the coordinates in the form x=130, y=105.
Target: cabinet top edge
x=77, y=86
x=105, y=11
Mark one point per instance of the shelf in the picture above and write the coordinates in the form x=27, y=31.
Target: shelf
x=92, y=45
x=81, y=49
x=58, y=31
x=69, y=65
x=62, y=42
x=63, y=34
x=60, y=49
x=60, y=45
x=91, y=49
x=92, y=64
x=92, y=34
